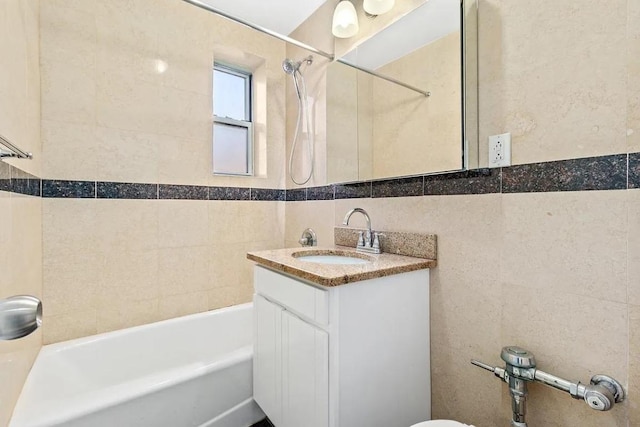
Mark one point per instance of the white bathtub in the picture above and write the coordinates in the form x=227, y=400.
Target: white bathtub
x=190, y=371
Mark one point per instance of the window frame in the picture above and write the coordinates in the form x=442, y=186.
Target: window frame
x=228, y=121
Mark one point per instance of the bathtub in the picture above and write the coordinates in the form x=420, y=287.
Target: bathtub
x=190, y=371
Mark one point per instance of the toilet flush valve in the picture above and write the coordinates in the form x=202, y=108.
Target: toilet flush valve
x=601, y=394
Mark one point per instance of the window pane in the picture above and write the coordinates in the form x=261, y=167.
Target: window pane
x=230, y=149
x=229, y=95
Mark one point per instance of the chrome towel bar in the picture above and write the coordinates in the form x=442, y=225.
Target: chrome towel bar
x=14, y=152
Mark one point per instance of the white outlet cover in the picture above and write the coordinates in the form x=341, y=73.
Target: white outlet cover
x=500, y=150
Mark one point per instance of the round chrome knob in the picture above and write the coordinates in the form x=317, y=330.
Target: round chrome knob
x=599, y=398
x=518, y=357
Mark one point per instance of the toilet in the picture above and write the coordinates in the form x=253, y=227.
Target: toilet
x=441, y=423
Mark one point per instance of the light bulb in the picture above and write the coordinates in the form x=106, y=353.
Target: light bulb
x=377, y=7
x=345, y=20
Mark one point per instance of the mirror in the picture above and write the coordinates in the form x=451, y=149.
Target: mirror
x=372, y=117
x=396, y=103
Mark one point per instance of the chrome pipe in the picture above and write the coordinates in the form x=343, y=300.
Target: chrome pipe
x=383, y=77
x=241, y=21
x=15, y=151
x=553, y=381
x=19, y=316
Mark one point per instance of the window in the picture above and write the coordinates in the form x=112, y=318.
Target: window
x=232, y=125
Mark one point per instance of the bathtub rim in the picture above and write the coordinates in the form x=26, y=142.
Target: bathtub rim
x=65, y=345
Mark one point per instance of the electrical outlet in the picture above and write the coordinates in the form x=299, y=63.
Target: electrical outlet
x=500, y=150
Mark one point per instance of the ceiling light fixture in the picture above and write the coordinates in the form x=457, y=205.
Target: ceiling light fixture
x=345, y=20
x=377, y=7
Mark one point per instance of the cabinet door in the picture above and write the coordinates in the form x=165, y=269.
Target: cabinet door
x=267, y=358
x=305, y=364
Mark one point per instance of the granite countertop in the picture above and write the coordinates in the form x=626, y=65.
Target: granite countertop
x=329, y=275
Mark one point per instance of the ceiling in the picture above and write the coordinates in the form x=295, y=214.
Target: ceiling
x=281, y=16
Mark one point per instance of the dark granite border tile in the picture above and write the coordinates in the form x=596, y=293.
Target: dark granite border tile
x=398, y=187
x=68, y=189
x=357, y=190
x=182, y=192
x=5, y=176
x=634, y=170
x=479, y=181
x=126, y=190
x=24, y=183
x=296, y=195
x=326, y=192
x=229, y=193
x=592, y=173
x=267, y=195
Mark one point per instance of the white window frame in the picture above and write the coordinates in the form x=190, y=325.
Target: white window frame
x=248, y=124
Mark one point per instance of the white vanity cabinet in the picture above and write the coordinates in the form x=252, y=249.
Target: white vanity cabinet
x=345, y=356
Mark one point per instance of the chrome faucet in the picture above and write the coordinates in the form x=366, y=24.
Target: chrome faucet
x=368, y=241
x=601, y=394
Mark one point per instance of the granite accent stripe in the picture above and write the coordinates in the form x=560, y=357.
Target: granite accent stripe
x=398, y=187
x=5, y=177
x=613, y=172
x=68, y=189
x=183, y=192
x=126, y=190
x=229, y=193
x=357, y=190
x=296, y=195
x=326, y=192
x=478, y=181
x=634, y=170
x=592, y=173
x=29, y=186
x=267, y=195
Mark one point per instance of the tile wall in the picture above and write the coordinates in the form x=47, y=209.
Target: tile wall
x=126, y=102
x=550, y=269
x=20, y=214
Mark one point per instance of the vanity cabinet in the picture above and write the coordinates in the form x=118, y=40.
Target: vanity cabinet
x=344, y=356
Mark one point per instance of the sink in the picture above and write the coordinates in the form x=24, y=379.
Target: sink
x=332, y=257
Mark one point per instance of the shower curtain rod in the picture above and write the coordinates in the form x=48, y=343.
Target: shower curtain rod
x=294, y=42
x=15, y=151
x=389, y=79
x=205, y=6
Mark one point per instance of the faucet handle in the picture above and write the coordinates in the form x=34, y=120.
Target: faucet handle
x=376, y=239
x=361, y=239
x=308, y=238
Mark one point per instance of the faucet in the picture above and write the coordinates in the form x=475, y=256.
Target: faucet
x=601, y=394
x=369, y=241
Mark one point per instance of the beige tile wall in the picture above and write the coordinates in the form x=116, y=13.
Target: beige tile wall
x=20, y=216
x=560, y=93
x=21, y=266
x=553, y=278
x=413, y=134
x=111, y=264
x=104, y=100
x=107, y=115
x=553, y=272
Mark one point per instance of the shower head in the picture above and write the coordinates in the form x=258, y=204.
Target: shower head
x=290, y=66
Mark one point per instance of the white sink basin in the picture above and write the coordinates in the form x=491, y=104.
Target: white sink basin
x=332, y=258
